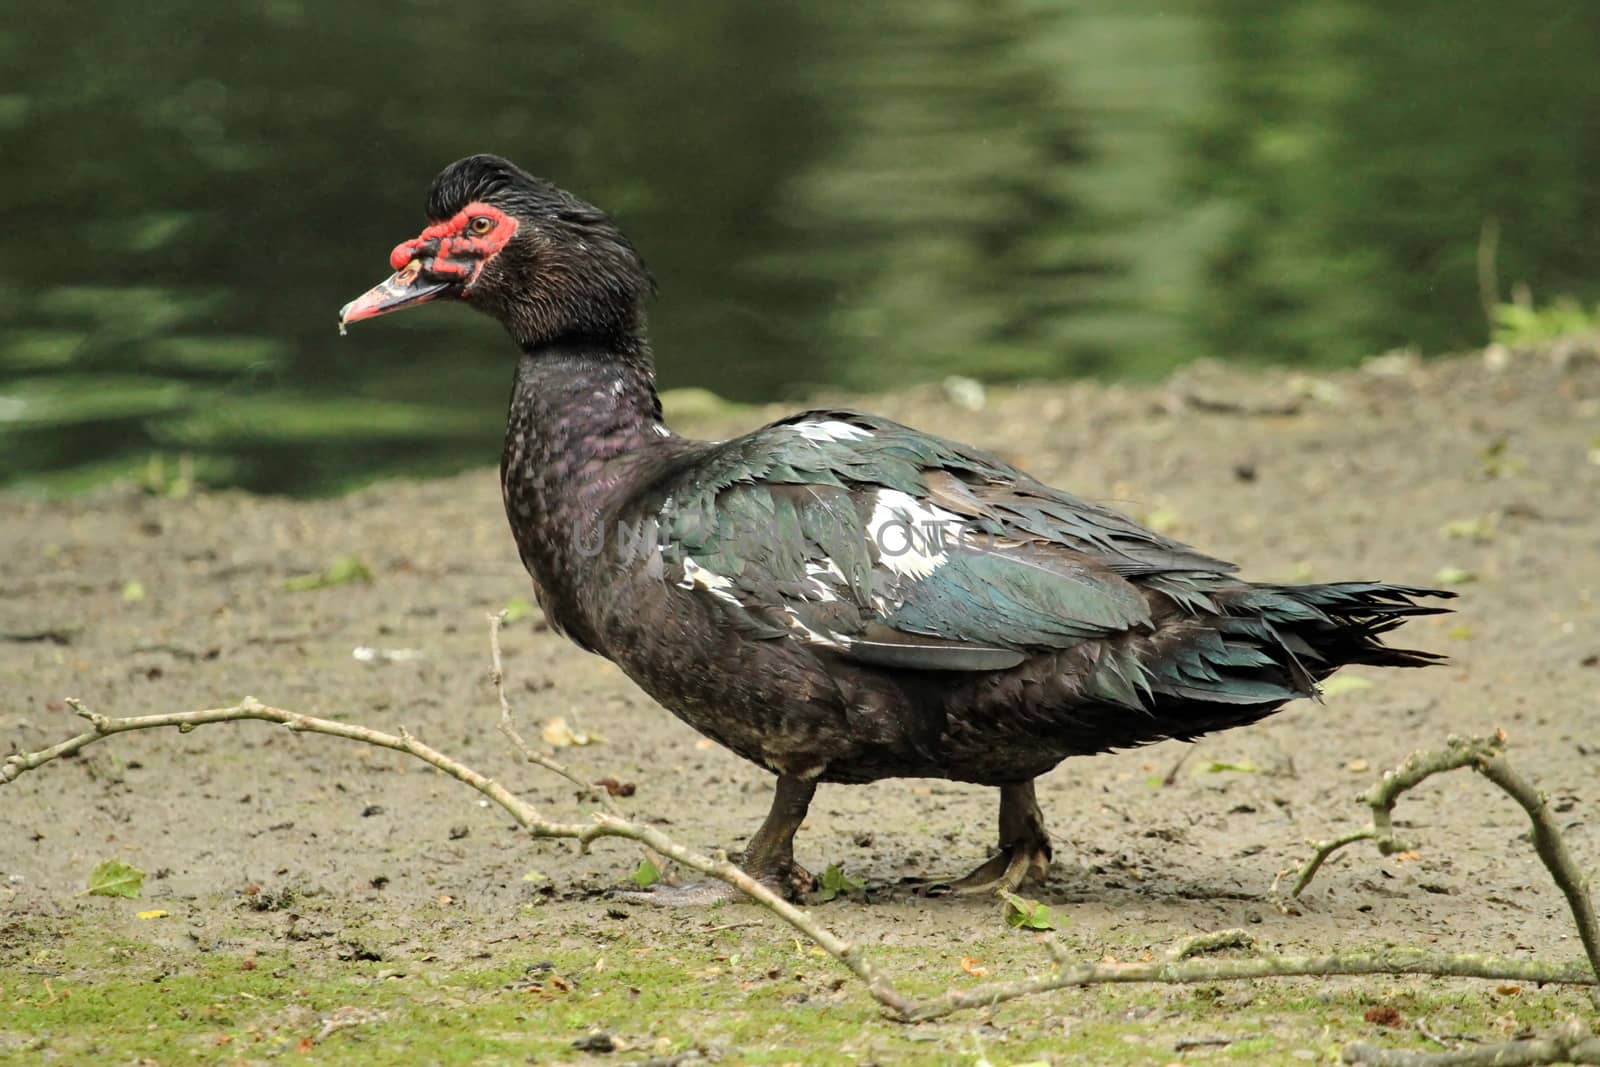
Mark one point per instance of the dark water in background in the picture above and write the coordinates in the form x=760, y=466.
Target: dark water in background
x=855, y=194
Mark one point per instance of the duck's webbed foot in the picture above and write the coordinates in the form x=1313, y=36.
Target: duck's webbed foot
x=1024, y=854
x=1007, y=870
x=769, y=858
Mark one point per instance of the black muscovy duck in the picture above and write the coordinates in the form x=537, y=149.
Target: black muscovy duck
x=836, y=597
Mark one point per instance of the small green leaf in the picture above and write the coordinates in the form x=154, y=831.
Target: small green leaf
x=113, y=878
x=341, y=571
x=1480, y=530
x=1344, y=683
x=536, y=876
x=1496, y=460
x=516, y=609
x=1026, y=914
x=836, y=883
x=1164, y=520
x=1221, y=766
x=646, y=874
x=132, y=591
x=1454, y=576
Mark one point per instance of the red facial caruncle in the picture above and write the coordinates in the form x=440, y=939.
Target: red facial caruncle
x=447, y=257
x=475, y=233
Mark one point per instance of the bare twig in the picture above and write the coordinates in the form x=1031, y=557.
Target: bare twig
x=1200, y=944
x=251, y=708
x=1321, y=851
x=1481, y=753
x=603, y=824
x=1572, y=1043
x=1171, y=777
x=509, y=729
x=1426, y=1031
x=1488, y=277
x=344, y=1019
x=1552, y=849
x=1402, y=961
x=1486, y=755
x=1381, y=798
x=1184, y=1044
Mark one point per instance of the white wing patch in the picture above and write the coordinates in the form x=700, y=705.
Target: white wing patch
x=824, y=638
x=911, y=534
x=823, y=590
x=696, y=576
x=831, y=430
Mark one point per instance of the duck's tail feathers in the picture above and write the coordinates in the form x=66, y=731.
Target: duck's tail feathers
x=1330, y=625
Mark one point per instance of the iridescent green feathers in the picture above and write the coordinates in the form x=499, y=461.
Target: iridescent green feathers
x=870, y=541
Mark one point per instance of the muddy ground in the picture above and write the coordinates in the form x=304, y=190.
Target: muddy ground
x=1457, y=471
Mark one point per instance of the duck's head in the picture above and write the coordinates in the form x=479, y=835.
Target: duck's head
x=543, y=262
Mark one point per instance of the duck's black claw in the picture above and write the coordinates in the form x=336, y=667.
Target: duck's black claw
x=1007, y=870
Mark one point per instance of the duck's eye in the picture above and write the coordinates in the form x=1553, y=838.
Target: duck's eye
x=479, y=225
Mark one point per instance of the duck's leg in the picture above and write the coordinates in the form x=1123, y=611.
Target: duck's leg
x=1024, y=846
x=768, y=858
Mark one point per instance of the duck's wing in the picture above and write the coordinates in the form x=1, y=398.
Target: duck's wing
x=878, y=543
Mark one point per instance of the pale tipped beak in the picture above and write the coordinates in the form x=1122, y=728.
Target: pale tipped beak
x=406, y=288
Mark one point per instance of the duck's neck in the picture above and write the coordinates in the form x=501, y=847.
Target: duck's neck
x=588, y=399
x=584, y=428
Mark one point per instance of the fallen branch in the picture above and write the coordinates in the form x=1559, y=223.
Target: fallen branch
x=1486, y=755
x=1178, y=967
x=1552, y=849
x=603, y=824
x=508, y=727
x=1571, y=1043
x=1381, y=798
x=1392, y=962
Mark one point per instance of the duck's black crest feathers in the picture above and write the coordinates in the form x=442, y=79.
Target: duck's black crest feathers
x=498, y=181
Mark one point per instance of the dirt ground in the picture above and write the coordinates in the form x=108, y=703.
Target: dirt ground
x=1455, y=471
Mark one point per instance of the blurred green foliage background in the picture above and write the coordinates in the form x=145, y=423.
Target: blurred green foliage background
x=857, y=195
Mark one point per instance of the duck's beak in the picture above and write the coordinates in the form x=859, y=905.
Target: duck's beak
x=406, y=288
